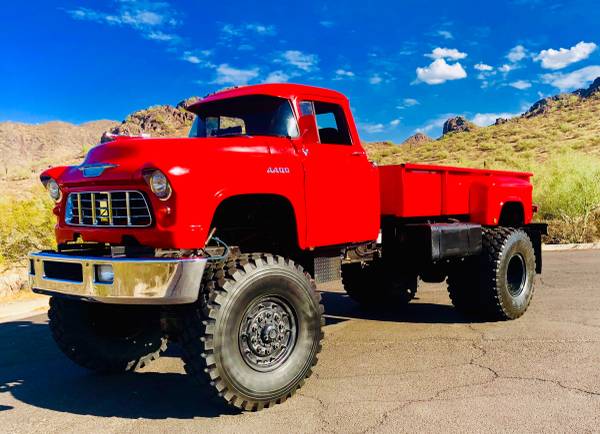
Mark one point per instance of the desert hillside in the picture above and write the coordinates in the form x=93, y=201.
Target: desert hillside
x=554, y=125
x=27, y=149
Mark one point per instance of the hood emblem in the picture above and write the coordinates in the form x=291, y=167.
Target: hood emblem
x=95, y=169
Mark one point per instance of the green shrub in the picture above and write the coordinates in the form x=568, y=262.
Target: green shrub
x=25, y=225
x=567, y=188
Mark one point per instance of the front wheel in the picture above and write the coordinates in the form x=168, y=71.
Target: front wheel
x=106, y=338
x=256, y=339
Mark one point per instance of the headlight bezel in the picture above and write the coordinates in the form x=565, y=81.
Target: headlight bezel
x=159, y=184
x=53, y=189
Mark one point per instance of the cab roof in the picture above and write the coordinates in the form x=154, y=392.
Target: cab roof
x=282, y=90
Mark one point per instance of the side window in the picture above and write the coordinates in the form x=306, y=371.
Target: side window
x=331, y=124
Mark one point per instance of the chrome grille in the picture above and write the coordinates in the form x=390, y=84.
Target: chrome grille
x=108, y=208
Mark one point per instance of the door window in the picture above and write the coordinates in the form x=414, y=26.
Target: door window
x=331, y=124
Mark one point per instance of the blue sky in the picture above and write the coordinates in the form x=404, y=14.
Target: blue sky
x=405, y=65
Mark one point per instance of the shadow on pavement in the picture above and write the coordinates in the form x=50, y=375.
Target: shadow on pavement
x=340, y=307
x=35, y=372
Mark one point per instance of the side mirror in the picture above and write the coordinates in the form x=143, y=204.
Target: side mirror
x=308, y=129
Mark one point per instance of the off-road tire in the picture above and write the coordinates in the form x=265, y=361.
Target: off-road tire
x=499, y=284
x=377, y=285
x=212, y=329
x=106, y=338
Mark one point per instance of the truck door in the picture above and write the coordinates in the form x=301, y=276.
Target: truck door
x=342, y=187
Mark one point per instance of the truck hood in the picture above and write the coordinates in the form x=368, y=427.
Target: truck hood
x=124, y=159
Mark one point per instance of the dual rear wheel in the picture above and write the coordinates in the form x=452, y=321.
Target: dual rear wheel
x=496, y=285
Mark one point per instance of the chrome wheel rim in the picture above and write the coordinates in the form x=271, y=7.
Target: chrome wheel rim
x=267, y=333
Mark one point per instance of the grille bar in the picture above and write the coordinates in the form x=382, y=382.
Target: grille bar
x=108, y=209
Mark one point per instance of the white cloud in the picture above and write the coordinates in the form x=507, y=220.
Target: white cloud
x=277, y=77
x=370, y=128
x=150, y=18
x=483, y=67
x=394, y=123
x=303, y=61
x=439, y=72
x=520, y=84
x=437, y=122
x=558, y=59
x=507, y=68
x=375, y=79
x=486, y=119
x=229, y=31
x=162, y=36
x=327, y=24
x=446, y=53
x=261, y=29
x=343, y=73
x=191, y=58
x=445, y=34
x=572, y=80
x=517, y=53
x=229, y=75
x=407, y=102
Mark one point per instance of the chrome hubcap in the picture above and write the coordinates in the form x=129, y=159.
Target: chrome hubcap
x=268, y=333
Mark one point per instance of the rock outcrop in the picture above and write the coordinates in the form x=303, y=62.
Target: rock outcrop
x=417, y=139
x=156, y=121
x=593, y=89
x=458, y=124
x=545, y=105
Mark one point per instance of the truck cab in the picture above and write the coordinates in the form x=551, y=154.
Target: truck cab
x=218, y=240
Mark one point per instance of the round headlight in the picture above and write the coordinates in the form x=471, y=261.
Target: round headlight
x=53, y=190
x=160, y=185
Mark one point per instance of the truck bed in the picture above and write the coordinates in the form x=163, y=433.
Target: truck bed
x=418, y=190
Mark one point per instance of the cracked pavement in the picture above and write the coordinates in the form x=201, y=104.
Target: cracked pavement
x=423, y=369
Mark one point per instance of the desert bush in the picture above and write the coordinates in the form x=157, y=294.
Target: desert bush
x=25, y=225
x=567, y=188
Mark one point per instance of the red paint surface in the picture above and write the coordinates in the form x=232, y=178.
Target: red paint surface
x=337, y=195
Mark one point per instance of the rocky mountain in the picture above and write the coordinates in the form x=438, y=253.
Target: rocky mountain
x=560, y=123
x=26, y=149
x=458, y=124
x=157, y=121
x=417, y=139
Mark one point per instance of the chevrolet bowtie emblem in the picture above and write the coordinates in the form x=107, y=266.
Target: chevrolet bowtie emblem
x=95, y=169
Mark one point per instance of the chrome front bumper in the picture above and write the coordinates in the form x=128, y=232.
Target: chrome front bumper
x=135, y=281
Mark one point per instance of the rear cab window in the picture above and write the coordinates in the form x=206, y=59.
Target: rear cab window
x=331, y=122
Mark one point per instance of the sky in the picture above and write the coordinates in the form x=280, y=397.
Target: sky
x=406, y=66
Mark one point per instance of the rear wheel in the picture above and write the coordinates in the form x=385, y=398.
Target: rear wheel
x=106, y=338
x=378, y=284
x=498, y=284
x=257, y=338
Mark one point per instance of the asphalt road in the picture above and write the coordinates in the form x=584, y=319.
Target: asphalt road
x=426, y=369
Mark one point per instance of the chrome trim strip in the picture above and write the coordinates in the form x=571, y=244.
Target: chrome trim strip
x=128, y=206
x=136, y=280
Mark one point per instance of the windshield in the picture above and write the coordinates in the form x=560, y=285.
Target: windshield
x=254, y=115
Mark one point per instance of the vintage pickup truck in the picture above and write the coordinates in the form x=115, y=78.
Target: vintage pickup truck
x=218, y=240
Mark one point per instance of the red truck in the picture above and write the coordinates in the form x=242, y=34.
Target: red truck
x=218, y=241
